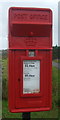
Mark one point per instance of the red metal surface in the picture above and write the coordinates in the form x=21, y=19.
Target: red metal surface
x=30, y=29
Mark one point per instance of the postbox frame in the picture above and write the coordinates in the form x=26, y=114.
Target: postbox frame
x=41, y=72
x=12, y=50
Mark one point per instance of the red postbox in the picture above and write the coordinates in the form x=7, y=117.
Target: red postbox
x=30, y=59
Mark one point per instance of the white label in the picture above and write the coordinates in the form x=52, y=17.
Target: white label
x=31, y=76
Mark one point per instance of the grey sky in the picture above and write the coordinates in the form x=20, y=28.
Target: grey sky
x=6, y=4
x=59, y=23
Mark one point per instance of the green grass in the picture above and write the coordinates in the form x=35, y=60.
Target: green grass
x=6, y=113
x=57, y=60
x=1, y=108
x=4, y=68
x=4, y=78
x=46, y=114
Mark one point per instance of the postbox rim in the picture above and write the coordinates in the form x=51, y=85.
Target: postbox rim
x=30, y=8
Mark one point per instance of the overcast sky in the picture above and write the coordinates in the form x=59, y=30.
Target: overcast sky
x=6, y=4
x=59, y=23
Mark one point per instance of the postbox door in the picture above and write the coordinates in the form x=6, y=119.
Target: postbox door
x=37, y=99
